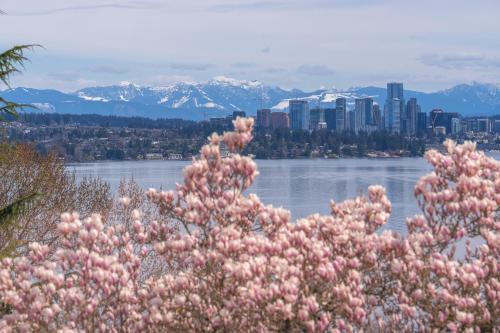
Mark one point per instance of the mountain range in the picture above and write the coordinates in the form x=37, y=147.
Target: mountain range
x=221, y=96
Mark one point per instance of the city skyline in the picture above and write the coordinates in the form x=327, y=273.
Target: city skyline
x=153, y=42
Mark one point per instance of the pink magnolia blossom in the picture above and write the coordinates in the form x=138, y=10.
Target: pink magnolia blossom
x=237, y=264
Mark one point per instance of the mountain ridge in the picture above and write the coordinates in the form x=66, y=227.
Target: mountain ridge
x=222, y=95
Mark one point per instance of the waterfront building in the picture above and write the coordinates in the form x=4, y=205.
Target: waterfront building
x=421, y=123
x=330, y=115
x=350, y=122
x=316, y=116
x=363, y=113
x=456, y=126
x=440, y=118
x=299, y=114
x=392, y=115
x=412, y=110
x=279, y=119
x=263, y=118
x=377, y=116
x=340, y=114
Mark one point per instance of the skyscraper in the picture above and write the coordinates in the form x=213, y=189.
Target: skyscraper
x=263, y=118
x=363, y=113
x=421, y=123
x=394, y=113
x=395, y=90
x=330, y=118
x=377, y=116
x=412, y=110
x=299, y=114
x=316, y=116
x=340, y=114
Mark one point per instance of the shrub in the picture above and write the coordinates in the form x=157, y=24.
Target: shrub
x=23, y=172
x=232, y=263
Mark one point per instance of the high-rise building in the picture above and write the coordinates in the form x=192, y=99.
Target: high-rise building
x=340, y=114
x=316, y=116
x=395, y=90
x=299, y=114
x=377, y=116
x=350, y=122
x=456, y=126
x=279, y=120
x=412, y=109
x=439, y=118
x=394, y=113
x=363, y=114
x=331, y=118
x=421, y=123
x=263, y=118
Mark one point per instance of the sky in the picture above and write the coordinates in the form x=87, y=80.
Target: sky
x=307, y=44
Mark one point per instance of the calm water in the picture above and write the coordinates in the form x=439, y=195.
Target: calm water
x=302, y=186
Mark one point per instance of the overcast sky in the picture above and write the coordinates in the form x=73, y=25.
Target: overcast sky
x=307, y=44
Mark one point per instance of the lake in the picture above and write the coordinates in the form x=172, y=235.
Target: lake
x=302, y=186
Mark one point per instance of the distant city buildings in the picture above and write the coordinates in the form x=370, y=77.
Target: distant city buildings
x=299, y=114
x=279, y=120
x=394, y=107
x=340, y=114
x=330, y=115
x=410, y=121
x=263, y=118
x=398, y=117
x=363, y=114
x=439, y=118
x=316, y=117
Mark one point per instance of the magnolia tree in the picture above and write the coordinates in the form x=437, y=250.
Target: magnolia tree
x=233, y=264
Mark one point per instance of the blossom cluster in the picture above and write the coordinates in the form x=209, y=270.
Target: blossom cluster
x=233, y=263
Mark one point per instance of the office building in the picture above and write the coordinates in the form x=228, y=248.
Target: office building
x=330, y=115
x=263, y=118
x=456, y=126
x=340, y=114
x=392, y=115
x=421, y=123
x=377, y=116
x=299, y=114
x=279, y=120
x=363, y=113
x=440, y=118
x=350, y=121
x=412, y=110
x=316, y=116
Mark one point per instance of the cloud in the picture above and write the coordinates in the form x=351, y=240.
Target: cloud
x=106, y=69
x=460, y=61
x=65, y=76
x=265, y=50
x=115, y=5
x=244, y=64
x=315, y=70
x=273, y=70
x=290, y=4
x=187, y=66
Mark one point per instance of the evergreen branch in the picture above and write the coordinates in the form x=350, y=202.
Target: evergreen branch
x=13, y=210
x=12, y=61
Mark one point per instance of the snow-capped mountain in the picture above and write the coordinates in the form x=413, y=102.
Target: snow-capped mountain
x=221, y=95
